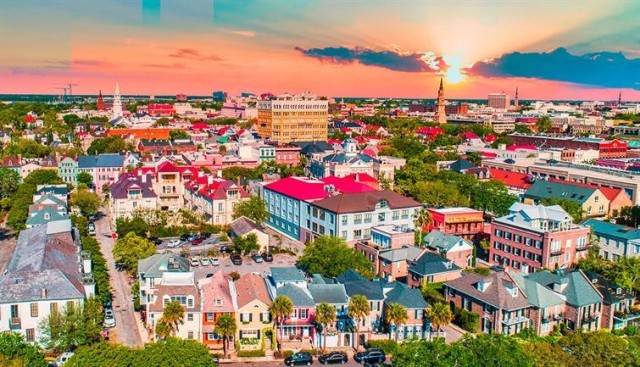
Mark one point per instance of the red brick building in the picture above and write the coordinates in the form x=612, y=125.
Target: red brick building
x=607, y=148
x=462, y=222
x=288, y=154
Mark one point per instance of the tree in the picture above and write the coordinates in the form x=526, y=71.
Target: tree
x=626, y=273
x=15, y=351
x=254, y=208
x=331, y=256
x=543, y=124
x=73, y=326
x=438, y=194
x=163, y=121
x=546, y=354
x=172, y=316
x=87, y=201
x=440, y=314
x=491, y=350
x=421, y=219
x=24, y=196
x=571, y=207
x=492, y=196
x=135, y=225
x=226, y=326
x=110, y=144
x=395, y=315
x=358, y=309
x=179, y=134
x=629, y=216
x=600, y=348
x=85, y=178
x=246, y=244
x=131, y=249
x=9, y=182
x=325, y=316
x=280, y=308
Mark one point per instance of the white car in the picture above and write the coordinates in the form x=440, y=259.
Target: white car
x=173, y=243
x=195, y=261
x=205, y=261
x=63, y=359
x=109, y=318
x=215, y=261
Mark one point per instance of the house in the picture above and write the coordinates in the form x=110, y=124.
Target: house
x=28, y=167
x=394, y=263
x=47, y=273
x=547, y=307
x=583, y=302
x=12, y=162
x=48, y=214
x=219, y=298
x=338, y=334
x=385, y=238
x=532, y=237
x=615, y=240
x=517, y=183
x=373, y=291
x=60, y=192
x=453, y=248
x=496, y=298
x=461, y=166
x=417, y=325
x=107, y=170
x=131, y=193
x=179, y=287
x=68, y=170
x=618, y=304
x=591, y=199
x=169, y=184
x=244, y=226
x=152, y=269
x=253, y=307
x=459, y=221
x=214, y=198
x=617, y=197
x=432, y=268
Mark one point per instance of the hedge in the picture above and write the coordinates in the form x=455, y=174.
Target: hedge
x=99, y=264
x=251, y=353
x=468, y=321
x=386, y=345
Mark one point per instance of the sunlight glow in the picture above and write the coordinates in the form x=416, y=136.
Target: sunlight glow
x=454, y=73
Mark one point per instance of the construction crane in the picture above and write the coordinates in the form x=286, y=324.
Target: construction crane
x=64, y=96
x=71, y=90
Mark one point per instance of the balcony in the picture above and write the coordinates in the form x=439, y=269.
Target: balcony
x=583, y=248
x=515, y=320
x=590, y=317
x=556, y=252
x=14, y=323
x=626, y=315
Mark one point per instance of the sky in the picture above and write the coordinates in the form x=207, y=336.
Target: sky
x=548, y=49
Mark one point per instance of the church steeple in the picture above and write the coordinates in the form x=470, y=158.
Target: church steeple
x=100, y=102
x=441, y=114
x=117, y=103
x=516, y=102
x=619, y=99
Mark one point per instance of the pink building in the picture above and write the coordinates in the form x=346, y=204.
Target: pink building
x=532, y=237
x=288, y=154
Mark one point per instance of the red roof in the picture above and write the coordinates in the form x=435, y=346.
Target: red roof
x=334, y=141
x=199, y=126
x=370, y=152
x=511, y=179
x=609, y=192
x=303, y=188
x=29, y=119
x=488, y=154
x=490, y=138
x=469, y=135
x=360, y=177
x=345, y=129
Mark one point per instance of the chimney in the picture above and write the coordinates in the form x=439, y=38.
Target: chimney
x=210, y=179
x=357, y=177
x=43, y=293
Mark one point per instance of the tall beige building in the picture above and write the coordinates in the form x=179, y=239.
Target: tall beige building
x=293, y=118
x=499, y=101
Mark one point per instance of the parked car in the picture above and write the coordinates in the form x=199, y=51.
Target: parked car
x=267, y=257
x=196, y=241
x=195, y=261
x=109, y=318
x=156, y=241
x=333, y=357
x=215, y=261
x=92, y=229
x=64, y=357
x=184, y=237
x=224, y=249
x=205, y=235
x=372, y=355
x=257, y=258
x=104, y=334
x=236, y=259
x=210, y=275
x=174, y=243
x=205, y=261
x=299, y=359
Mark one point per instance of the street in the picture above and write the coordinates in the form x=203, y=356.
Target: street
x=280, y=363
x=126, y=325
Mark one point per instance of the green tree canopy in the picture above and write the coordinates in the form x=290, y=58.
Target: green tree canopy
x=109, y=144
x=179, y=134
x=246, y=244
x=9, y=182
x=438, y=194
x=254, y=208
x=132, y=248
x=73, y=326
x=15, y=351
x=87, y=201
x=543, y=124
x=226, y=326
x=85, y=178
x=574, y=209
x=596, y=349
x=331, y=256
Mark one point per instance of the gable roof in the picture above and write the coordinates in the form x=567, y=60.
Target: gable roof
x=243, y=225
x=218, y=287
x=542, y=189
x=286, y=274
x=609, y=192
x=461, y=165
x=511, y=179
x=430, y=264
x=410, y=298
x=365, y=202
x=372, y=289
x=110, y=160
x=537, y=294
x=252, y=287
x=350, y=275
x=45, y=215
x=495, y=293
x=330, y=293
x=578, y=291
x=298, y=296
x=442, y=242
x=119, y=189
x=610, y=291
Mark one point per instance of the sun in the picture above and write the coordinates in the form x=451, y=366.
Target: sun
x=454, y=73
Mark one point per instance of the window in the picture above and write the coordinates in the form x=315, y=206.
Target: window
x=381, y=217
x=367, y=217
x=567, y=257
x=367, y=233
x=218, y=302
x=303, y=313
x=190, y=335
x=357, y=234
x=344, y=235
x=358, y=219
x=405, y=213
x=418, y=314
x=31, y=335
x=596, y=199
x=53, y=307
x=189, y=317
x=344, y=220
x=209, y=316
x=34, y=310
x=190, y=302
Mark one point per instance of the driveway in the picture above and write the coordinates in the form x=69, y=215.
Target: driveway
x=126, y=324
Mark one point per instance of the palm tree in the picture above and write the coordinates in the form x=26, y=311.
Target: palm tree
x=358, y=309
x=280, y=309
x=420, y=219
x=226, y=326
x=325, y=316
x=440, y=314
x=172, y=316
x=396, y=315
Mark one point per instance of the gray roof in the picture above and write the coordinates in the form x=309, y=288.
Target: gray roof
x=406, y=253
x=578, y=292
x=298, y=296
x=348, y=158
x=45, y=215
x=87, y=161
x=440, y=241
x=537, y=294
x=334, y=294
x=430, y=264
x=495, y=293
x=53, y=199
x=242, y=226
x=610, y=291
x=461, y=165
x=372, y=289
x=52, y=189
x=542, y=189
x=408, y=297
x=155, y=265
x=110, y=160
x=45, y=257
x=350, y=275
x=607, y=229
x=119, y=189
x=288, y=274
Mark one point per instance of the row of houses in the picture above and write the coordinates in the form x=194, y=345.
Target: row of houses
x=166, y=277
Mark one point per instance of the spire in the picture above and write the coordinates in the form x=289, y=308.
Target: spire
x=620, y=99
x=441, y=87
x=516, y=102
x=117, y=88
x=100, y=102
x=441, y=114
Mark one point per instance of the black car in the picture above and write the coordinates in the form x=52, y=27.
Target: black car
x=236, y=259
x=372, y=355
x=205, y=235
x=224, y=249
x=333, y=357
x=184, y=237
x=267, y=257
x=155, y=240
x=299, y=359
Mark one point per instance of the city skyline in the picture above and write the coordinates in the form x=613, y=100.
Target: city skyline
x=566, y=50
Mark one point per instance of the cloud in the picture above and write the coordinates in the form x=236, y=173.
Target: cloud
x=91, y=63
x=192, y=54
x=175, y=65
x=602, y=69
x=242, y=32
x=393, y=60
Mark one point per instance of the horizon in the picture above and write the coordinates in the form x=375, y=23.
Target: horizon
x=566, y=51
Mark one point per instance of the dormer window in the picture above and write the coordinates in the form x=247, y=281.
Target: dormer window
x=219, y=302
x=47, y=216
x=618, y=291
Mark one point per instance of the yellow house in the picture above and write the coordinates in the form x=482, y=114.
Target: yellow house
x=253, y=310
x=593, y=202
